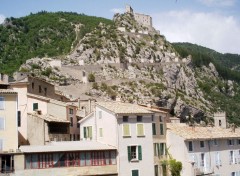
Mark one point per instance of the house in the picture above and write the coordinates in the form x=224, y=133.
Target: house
x=8, y=129
x=38, y=99
x=205, y=150
x=67, y=158
x=159, y=121
x=128, y=127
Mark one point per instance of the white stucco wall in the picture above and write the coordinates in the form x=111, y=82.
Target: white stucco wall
x=9, y=134
x=108, y=123
x=146, y=165
x=90, y=121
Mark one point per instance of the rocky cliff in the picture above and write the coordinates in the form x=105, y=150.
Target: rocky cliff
x=136, y=63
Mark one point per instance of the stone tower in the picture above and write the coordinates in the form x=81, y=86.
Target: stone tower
x=220, y=119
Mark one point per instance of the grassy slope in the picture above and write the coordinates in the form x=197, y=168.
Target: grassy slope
x=41, y=34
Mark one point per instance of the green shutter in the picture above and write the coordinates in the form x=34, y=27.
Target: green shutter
x=161, y=129
x=153, y=128
x=158, y=149
x=129, y=153
x=139, y=152
x=84, y=132
x=134, y=172
x=90, y=132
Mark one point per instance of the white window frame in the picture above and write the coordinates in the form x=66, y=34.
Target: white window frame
x=4, y=124
x=123, y=130
x=137, y=130
x=2, y=100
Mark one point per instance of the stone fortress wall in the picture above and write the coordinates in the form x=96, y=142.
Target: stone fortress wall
x=143, y=19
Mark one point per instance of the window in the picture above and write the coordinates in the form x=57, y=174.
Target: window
x=70, y=111
x=202, y=144
x=19, y=118
x=126, y=130
x=230, y=142
x=233, y=157
x=87, y=131
x=69, y=159
x=238, y=141
x=135, y=173
x=125, y=118
x=190, y=146
x=161, y=129
x=219, y=122
x=45, y=91
x=202, y=160
x=217, y=159
x=2, y=123
x=71, y=121
x=78, y=125
x=134, y=153
x=100, y=132
x=1, y=103
x=160, y=119
x=215, y=142
x=99, y=114
x=35, y=106
x=139, y=118
x=153, y=128
x=32, y=85
x=152, y=117
x=140, y=130
x=156, y=170
x=39, y=89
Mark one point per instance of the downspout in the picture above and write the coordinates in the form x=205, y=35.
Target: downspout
x=117, y=132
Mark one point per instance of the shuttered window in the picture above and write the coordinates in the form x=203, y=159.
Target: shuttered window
x=35, y=106
x=161, y=129
x=134, y=152
x=153, y=128
x=140, y=130
x=87, y=132
x=126, y=130
x=135, y=173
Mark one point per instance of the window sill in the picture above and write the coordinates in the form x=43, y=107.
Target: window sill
x=126, y=136
x=134, y=160
x=141, y=136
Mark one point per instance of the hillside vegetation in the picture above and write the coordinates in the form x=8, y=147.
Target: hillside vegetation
x=216, y=90
x=42, y=34
x=227, y=65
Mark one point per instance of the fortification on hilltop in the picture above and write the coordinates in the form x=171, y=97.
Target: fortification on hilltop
x=143, y=19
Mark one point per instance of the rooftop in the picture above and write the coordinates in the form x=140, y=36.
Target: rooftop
x=66, y=146
x=123, y=108
x=153, y=109
x=7, y=91
x=49, y=118
x=199, y=132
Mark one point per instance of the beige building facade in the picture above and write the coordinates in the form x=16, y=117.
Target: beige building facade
x=205, y=150
x=8, y=129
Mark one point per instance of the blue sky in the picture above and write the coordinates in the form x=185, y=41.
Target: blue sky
x=211, y=23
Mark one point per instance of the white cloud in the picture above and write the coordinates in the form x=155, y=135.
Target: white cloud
x=218, y=2
x=212, y=30
x=117, y=10
x=2, y=18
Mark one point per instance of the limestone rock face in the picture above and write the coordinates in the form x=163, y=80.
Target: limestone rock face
x=133, y=62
